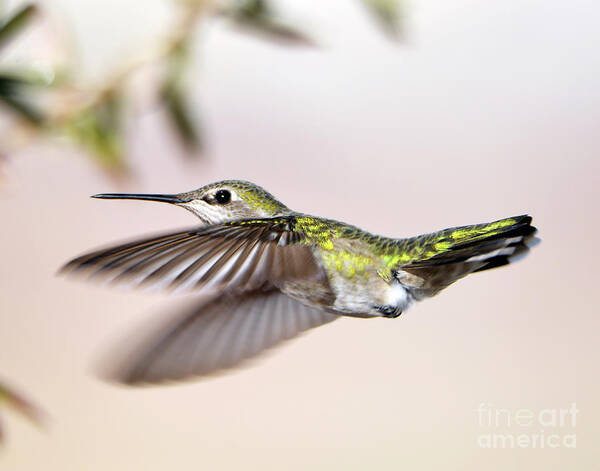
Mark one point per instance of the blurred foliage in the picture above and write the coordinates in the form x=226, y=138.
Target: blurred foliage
x=13, y=94
x=53, y=102
x=173, y=94
x=257, y=16
x=388, y=14
x=99, y=128
x=10, y=398
x=14, y=24
x=13, y=87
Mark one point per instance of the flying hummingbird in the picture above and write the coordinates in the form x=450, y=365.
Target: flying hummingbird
x=271, y=273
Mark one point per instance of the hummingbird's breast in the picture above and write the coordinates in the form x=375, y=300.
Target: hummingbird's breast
x=358, y=267
x=361, y=280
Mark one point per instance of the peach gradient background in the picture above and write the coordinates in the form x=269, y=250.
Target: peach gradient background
x=490, y=110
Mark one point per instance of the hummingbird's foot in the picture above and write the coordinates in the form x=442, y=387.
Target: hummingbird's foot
x=391, y=312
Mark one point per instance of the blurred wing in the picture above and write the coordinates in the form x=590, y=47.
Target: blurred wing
x=218, y=334
x=240, y=255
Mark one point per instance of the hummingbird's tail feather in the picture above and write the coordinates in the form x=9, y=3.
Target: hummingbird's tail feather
x=460, y=251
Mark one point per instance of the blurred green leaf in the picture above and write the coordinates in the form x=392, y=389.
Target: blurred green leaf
x=98, y=128
x=388, y=14
x=253, y=7
x=16, y=23
x=173, y=95
x=15, y=89
x=13, y=94
x=258, y=17
x=18, y=403
x=181, y=116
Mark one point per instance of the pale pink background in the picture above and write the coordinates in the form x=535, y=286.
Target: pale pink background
x=490, y=110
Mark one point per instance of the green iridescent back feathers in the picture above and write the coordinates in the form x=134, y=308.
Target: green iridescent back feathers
x=437, y=247
x=353, y=252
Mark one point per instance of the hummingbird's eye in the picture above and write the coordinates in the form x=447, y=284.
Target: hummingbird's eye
x=222, y=196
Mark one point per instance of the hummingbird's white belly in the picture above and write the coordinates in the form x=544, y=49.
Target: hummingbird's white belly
x=372, y=298
x=397, y=295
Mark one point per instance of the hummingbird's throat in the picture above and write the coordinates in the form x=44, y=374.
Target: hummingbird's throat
x=207, y=213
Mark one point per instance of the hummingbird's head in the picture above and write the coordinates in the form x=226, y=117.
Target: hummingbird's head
x=218, y=202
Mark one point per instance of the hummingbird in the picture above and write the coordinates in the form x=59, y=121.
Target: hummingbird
x=268, y=273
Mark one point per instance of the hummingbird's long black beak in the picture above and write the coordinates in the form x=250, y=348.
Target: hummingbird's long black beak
x=173, y=199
